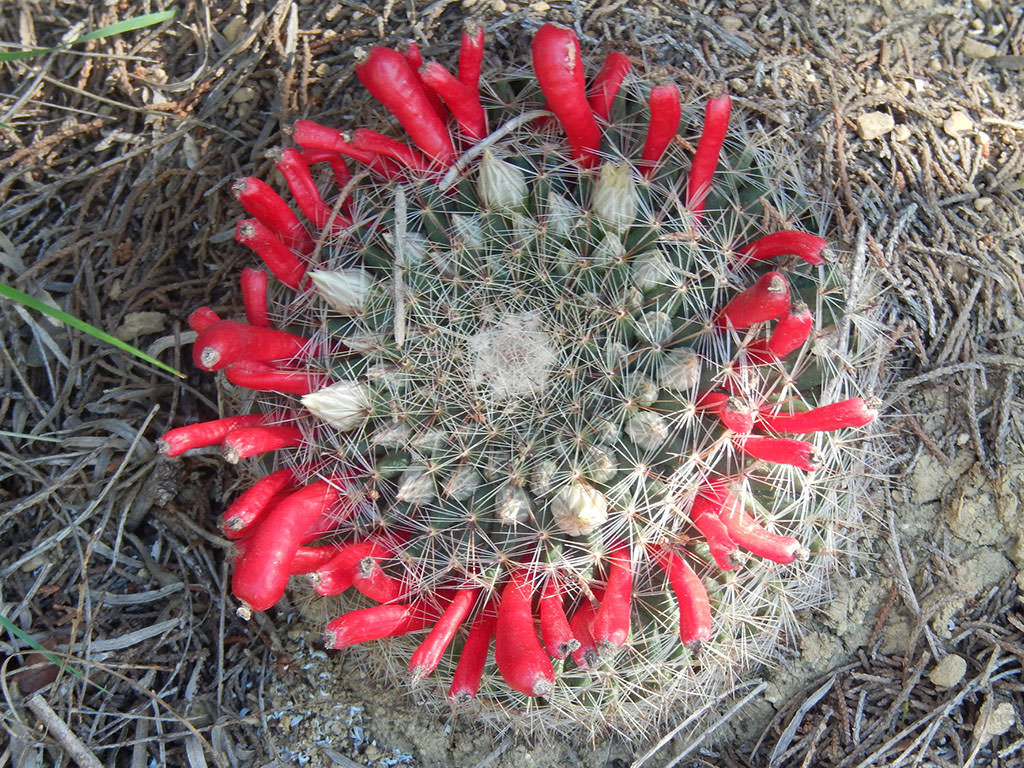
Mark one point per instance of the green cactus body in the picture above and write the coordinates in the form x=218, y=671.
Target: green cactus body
x=515, y=357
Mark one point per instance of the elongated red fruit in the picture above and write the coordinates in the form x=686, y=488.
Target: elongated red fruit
x=202, y=318
x=338, y=573
x=855, y=412
x=248, y=509
x=520, y=657
x=789, y=334
x=308, y=559
x=704, y=513
x=463, y=101
x=691, y=595
x=304, y=560
x=789, y=241
x=765, y=300
x=607, y=83
x=610, y=626
x=264, y=204
x=471, y=55
x=337, y=163
x=385, y=146
x=261, y=574
x=585, y=655
x=554, y=626
x=780, y=450
x=269, y=378
x=411, y=54
x=254, y=296
x=559, y=71
x=250, y=441
x=705, y=159
x=295, y=170
x=319, y=138
x=370, y=579
x=278, y=257
x=470, y=669
x=204, y=433
x=387, y=75
x=427, y=655
x=735, y=414
x=757, y=539
x=791, y=331
x=228, y=341
x=666, y=114
x=376, y=622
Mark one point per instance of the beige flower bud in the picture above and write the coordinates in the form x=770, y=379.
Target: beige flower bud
x=344, y=405
x=681, y=370
x=579, y=508
x=613, y=200
x=501, y=186
x=647, y=429
x=513, y=505
x=415, y=487
x=563, y=215
x=344, y=290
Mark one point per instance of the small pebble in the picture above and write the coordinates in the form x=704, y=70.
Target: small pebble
x=731, y=23
x=234, y=28
x=874, y=125
x=957, y=124
x=981, y=203
x=737, y=85
x=983, y=5
x=949, y=671
x=243, y=94
x=138, y=323
x=1001, y=719
x=540, y=7
x=977, y=49
x=901, y=132
x=499, y=5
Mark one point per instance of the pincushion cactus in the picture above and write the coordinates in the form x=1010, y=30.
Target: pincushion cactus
x=553, y=382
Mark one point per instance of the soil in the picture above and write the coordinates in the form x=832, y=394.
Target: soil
x=116, y=157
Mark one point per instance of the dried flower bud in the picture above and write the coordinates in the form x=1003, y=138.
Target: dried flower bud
x=600, y=465
x=463, y=483
x=468, y=230
x=542, y=477
x=652, y=271
x=415, y=487
x=578, y=508
x=608, y=252
x=655, y=327
x=345, y=404
x=563, y=215
x=502, y=186
x=681, y=370
x=614, y=197
x=647, y=429
x=513, y=505
x=344, y=290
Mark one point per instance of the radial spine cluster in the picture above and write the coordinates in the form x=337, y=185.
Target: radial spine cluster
x=561, y=402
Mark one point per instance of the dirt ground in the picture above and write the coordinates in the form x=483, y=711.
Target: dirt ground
x=115, y=161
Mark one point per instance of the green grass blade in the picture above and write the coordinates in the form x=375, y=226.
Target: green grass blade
x=128, y=25
x=138, y=22
x=34, y=644
x=32, y=303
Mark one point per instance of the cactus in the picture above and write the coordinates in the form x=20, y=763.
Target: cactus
x=563, y=387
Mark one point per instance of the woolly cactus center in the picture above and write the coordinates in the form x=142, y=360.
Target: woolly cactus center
x=513, y=358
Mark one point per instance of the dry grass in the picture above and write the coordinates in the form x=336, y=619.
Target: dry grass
x=113, y=177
